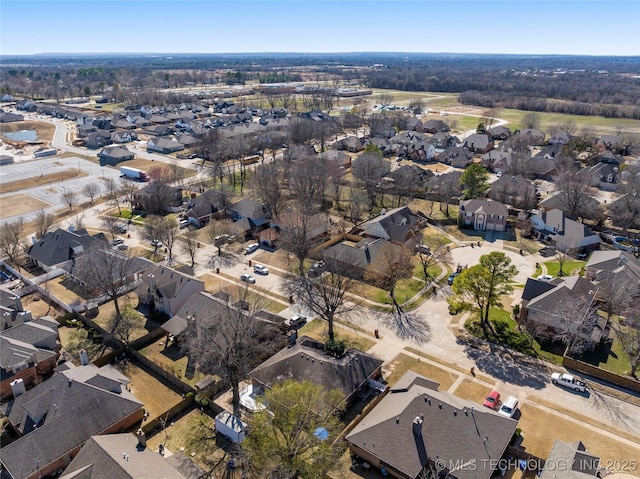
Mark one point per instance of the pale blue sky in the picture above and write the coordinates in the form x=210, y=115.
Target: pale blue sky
x=210, y=26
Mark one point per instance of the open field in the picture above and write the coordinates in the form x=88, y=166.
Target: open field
x=19, y=204
x=146, y=165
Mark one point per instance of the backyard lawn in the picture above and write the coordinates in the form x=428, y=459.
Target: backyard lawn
x=570, y=267
x=172, y=360
x=156, y=397
x=141, y=325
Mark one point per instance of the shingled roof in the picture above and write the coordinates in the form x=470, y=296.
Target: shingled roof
x=62, y=245
x=414, y=424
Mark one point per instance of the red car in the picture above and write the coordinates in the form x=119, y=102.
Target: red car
x=492, y=400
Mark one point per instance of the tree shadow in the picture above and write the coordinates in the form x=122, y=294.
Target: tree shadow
x=409, y=326
x=223, y=260
x=505, y=364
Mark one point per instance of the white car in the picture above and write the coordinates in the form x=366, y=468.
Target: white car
x=251, y=248
x=297, y=321
x=260, y=269
x=509, y=407
x=156, y=244
x=247, y=278
x=545, y=278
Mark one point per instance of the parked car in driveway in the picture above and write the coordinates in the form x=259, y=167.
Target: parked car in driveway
x=452, y=278
x=297, y=321
x=117, y=241
x=509, y=407
x=247, y=278
x=492, y=400
x=251, y=248
x=260, y=269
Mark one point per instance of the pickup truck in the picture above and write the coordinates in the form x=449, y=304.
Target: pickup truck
x=568, y=381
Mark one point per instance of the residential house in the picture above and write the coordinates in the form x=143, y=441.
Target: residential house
x=496, y=160
x=187, y=140
x=410, y=179
x=605, y=176
x=499, y=133
x=159, y=119
x=456, y=157
x=443, y=140
x=544, y=168
x=545, y=311
x=26, y=105
x=556, y=200
x=98, y=139
x=204, y=207
x=351, y=374
x=157, y=197
x=415, y=124
x=126, y=136
x=11, y=311
x=336, y=159
x=354, y=256
x=570, y=461
x=479, y=143
x=164, y=145
x=165, y=289
x=484, y=214
x=124, y=125
x=29, y=352
x=9, y=117
x=614, y=264
x=560, y=137
x=435, y=126
x=158, y=130
x=534, y=137
x=613, y=143
x=383, y=129
x=415, y=427
x=514, y=190
x=60, y=247
x=532, y=289
x=293, y=223
x=400, y=226
x=564, y=233
x=112, y=155
x=351, y=143
x=55, y=418
x=125, y=456
x=250, y=216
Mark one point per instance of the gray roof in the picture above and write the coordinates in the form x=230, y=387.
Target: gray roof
x=397, y=224
x=568, y=233
x=62, y=245
x=58, y=416
x=307, y=360
x=484, y=206
x=572, y=287
x=414, y=424
x=117, y=456
x=116, y=152
x=361, y=254
x=534, y=288
x=248, y=208
x=577, y=462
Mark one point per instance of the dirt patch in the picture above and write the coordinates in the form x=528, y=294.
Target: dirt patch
x=20, y=204
x=39, y=307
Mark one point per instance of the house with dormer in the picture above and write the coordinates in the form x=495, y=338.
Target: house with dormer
x=415, y=429
x=564, y=233
x=204, y=207
x=60, y=247
x=483, y=214
x=166, y=289
x=400, y=226
x=478, y=143
x=55, y=418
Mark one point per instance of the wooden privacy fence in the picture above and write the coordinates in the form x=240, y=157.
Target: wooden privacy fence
x=617, y=379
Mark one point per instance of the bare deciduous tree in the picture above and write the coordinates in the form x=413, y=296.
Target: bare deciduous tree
x=128, y=189
x=70, y=198
x=439, y=253
x=110, y=223
x=530, y=120
x=152, y=230
x=392, y=265
x=91, y=191
x=228, y=341
x=113, y=192
x=12, y=245
x=169, y=232
x=267, y=185
x=573, y=323
x=190, y=244
x=307, y=184
x=44, y=223
x=370, y=168
x=218, y=233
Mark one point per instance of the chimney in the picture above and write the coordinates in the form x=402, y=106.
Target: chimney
x=142, y=439
x=152, y=282
x=18, y=387
x=417, y=426
x=367, y=253
x=17, y=303
x=84, y=357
